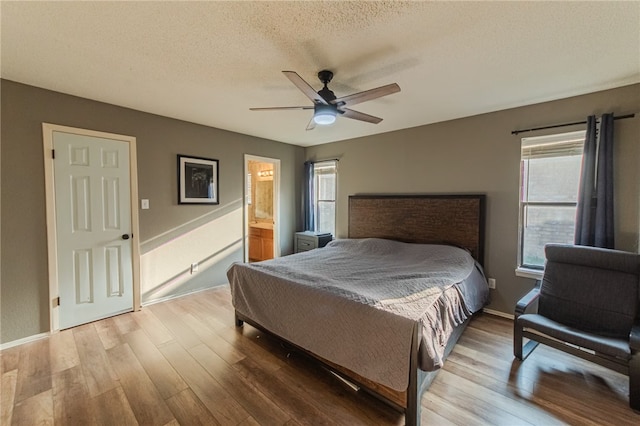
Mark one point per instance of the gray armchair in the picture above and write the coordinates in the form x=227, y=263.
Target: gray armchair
x=589, y=298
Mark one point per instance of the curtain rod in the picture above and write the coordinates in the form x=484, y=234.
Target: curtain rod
x=321, y=161
x=515, y=132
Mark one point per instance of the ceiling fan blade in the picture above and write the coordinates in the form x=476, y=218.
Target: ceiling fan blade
x=367, y=95
x=311, y=125
x=277, y=108
x=349, y=113
x=304, y=87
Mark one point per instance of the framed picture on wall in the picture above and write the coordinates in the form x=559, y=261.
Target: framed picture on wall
x=197, y=180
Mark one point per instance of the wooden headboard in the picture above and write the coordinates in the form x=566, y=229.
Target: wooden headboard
x=428, y=219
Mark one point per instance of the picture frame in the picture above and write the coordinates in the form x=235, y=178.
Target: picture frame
x=198, y=180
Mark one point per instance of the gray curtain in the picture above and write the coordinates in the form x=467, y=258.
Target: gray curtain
x=594, y=216
x=309, y=220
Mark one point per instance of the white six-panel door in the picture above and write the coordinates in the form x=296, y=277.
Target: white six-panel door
x=93, y=227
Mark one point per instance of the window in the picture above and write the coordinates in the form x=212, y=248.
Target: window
x=324, y=190
x=549, y=181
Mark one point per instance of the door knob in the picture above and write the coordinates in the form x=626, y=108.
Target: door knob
x=125, y=236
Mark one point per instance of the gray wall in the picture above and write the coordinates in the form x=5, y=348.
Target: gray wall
x=480, y=155
x=190, y=229
x=474, y=154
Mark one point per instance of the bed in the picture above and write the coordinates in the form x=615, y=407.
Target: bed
x=337, y=304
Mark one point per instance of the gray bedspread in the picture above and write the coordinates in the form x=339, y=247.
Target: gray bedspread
x=356, y=302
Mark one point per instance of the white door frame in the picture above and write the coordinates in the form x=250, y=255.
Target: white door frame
x=276, y=202
x=49, y=176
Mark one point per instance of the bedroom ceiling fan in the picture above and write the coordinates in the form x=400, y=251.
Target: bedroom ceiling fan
x=326, y=107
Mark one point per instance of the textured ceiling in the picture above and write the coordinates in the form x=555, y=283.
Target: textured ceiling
x=209, y=62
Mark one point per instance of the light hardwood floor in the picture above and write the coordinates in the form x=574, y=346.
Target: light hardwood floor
x=184, y=362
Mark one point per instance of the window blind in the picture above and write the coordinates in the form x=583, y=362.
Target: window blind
x=563, y=145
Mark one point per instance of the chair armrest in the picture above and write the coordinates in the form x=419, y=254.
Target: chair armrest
x=634, y=338
x=528, y=299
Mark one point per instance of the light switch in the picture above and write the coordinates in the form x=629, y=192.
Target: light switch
x=144, y=204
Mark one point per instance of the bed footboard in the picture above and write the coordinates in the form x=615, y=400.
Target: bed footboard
x=419, y=380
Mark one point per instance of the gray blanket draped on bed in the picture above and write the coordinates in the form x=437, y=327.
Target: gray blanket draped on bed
x=356, y=302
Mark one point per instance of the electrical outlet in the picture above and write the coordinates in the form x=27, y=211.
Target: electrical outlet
x=492, y=282
x=194, y=267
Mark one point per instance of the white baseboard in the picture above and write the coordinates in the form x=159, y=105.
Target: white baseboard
x=498, y=313
x=24, y=340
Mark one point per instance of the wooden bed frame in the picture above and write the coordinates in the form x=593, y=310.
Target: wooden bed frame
x=428, y=219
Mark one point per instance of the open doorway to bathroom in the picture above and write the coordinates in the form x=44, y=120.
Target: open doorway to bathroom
x=262, y=189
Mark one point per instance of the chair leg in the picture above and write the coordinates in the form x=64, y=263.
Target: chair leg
x=634, y=381
x=519, y=351
x=517, y=339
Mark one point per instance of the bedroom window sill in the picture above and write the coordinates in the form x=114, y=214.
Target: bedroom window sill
x=535, y=274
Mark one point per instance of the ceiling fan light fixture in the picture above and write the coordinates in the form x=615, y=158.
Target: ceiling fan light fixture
x=325, y=114
x=326, y=106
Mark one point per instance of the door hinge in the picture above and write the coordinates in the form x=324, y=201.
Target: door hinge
x=56, y=302
x=53, y=154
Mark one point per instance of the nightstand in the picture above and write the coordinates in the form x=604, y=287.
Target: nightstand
x=308, y=240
